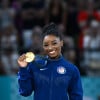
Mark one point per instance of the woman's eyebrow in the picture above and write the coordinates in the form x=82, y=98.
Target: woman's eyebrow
x=55, y=41
x=51, y=41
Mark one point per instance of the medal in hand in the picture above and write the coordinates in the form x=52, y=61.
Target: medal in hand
x=30, y=56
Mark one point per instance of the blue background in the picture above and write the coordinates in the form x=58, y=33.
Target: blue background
x=9, y=88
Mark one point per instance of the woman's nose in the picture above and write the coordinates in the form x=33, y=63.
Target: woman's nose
x=50, y=48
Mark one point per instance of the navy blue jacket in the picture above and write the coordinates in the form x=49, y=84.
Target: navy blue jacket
x=50, y=80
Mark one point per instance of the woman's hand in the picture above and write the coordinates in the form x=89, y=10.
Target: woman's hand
x=22, y=61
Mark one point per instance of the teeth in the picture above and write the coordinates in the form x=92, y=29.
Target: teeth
x=52, y=52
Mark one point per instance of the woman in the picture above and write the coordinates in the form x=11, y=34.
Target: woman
x=50, y=77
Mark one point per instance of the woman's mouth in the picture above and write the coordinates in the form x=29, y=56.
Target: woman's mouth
x=52, y=52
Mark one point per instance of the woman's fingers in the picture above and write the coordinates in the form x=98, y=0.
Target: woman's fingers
x=22, y=58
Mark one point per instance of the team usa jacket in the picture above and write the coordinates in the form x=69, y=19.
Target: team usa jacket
x=50, y=80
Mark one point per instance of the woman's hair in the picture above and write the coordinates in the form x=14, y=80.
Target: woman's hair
x=51, y=29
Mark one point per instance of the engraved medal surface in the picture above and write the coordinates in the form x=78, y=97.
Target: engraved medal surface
x=29, y=56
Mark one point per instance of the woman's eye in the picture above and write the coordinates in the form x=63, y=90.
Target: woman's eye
x=45, y=45
x=54, y=43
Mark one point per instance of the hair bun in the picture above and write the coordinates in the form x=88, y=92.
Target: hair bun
x=51, y=26
x=51, y=29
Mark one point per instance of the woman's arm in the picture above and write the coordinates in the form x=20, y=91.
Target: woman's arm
x=75, y=90
x=25, y=81
x=24, y=76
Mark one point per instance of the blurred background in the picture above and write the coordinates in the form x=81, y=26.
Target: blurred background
x=21, y=25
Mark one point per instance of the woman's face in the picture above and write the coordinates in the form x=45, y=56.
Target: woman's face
x=52, y=46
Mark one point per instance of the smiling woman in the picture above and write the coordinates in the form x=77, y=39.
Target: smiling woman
x=52, y=46
x=52, y=41
x=57, y=79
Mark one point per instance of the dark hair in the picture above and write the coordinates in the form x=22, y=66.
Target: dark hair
x=51, y=29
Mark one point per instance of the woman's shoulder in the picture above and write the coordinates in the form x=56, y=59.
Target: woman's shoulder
x=72, y=67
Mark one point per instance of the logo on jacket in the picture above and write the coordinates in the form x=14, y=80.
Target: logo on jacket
x=61, y=70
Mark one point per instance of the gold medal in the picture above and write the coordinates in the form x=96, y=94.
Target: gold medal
x=29, y=56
